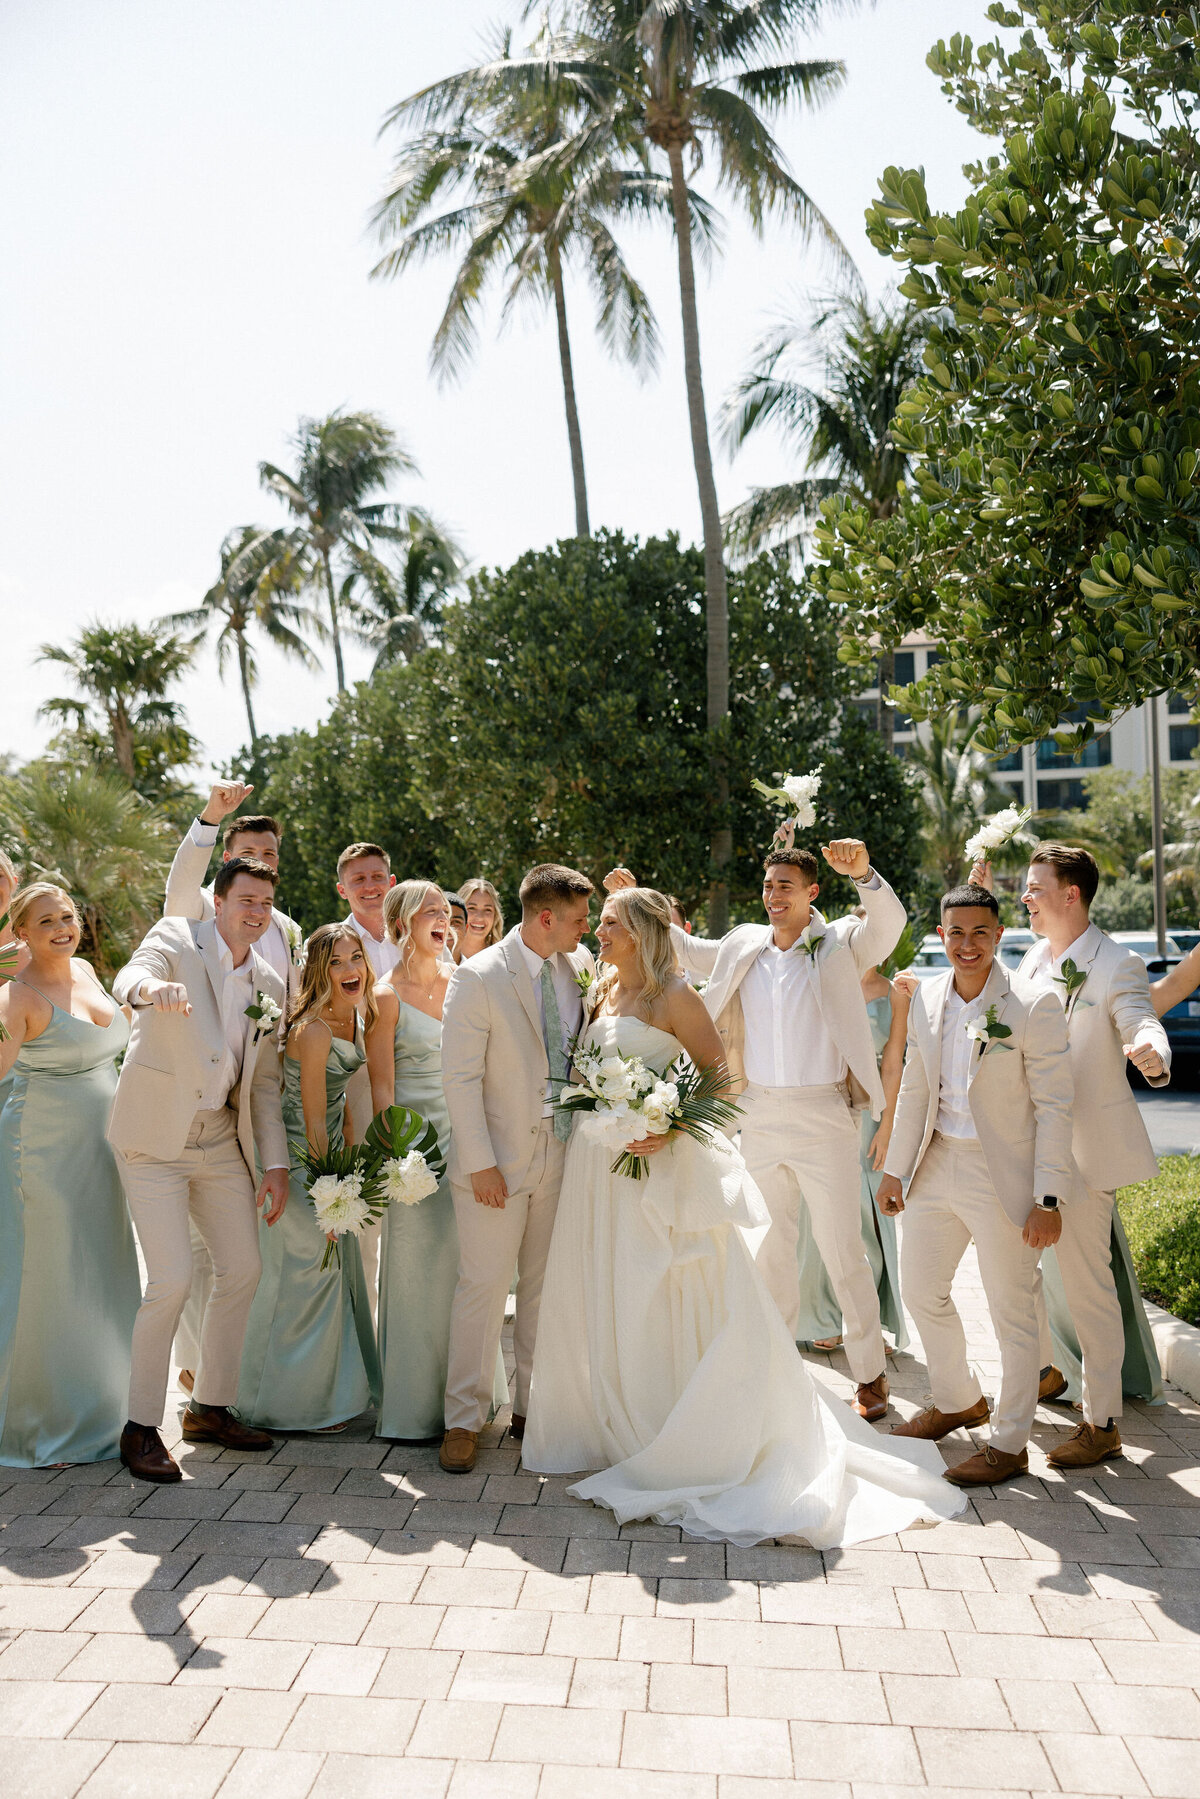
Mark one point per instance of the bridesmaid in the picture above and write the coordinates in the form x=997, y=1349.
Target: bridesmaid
x=69, y=1286
x=419, y=1255
x=485, y=920
x=12, y=953
x=310, y=1362
x=820, y=1314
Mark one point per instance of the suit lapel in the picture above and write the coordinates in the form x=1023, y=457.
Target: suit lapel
x=1093, y=937
x=517, y=968
x=207, y=944
x=996, y=993
x=815, y=962
x=937, y=1012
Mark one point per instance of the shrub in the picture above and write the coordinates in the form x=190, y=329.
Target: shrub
x=1162, y=1222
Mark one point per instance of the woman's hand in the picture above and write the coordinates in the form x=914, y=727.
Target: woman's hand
x=904, y=985
x=649, y=1146
x=879, y=1144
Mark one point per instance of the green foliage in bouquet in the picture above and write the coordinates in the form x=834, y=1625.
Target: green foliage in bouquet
x=351, y=1187
x=396, y=1132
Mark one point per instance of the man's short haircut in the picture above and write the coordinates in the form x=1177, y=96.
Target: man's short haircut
x=252, y=821
x=356, y=852
x=1074, y=867
x=229, y=871
x=968, y=895
x=804, y=860
x=550, y=884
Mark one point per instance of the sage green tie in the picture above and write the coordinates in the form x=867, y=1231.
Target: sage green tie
x=559, y=1066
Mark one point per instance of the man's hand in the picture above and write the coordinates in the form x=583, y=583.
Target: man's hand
x=166, y=996
x=618, y=878
x=490, y=1188
x=847, y=856
x=1042, y=1229
x=981, y=875
x=273, y=1194
x=226, y=797
x=890, y=1197
x=904, y=987
x=1146, y=1059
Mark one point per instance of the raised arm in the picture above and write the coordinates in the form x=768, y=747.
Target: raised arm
x=873, y=938
x=1177, y=985
x=1134, y=1013
x=697, y=955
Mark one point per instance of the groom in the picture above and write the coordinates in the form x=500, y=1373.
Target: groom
x=511, y=1012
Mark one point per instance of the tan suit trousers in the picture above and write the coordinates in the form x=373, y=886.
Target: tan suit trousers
x=210, y=1185
x=1084, y=1255
x=801, y=1147
x=491, y=1242
x=950, y=1204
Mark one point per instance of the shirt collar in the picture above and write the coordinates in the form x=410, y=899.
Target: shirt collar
x=225, y=957
x=533, y=962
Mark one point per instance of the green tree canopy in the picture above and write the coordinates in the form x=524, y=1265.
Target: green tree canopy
x=1049, y=535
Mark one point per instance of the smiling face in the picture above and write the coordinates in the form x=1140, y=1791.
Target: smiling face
x=50, y=928
x=262, y=846
x=1049, y=901
x=616, y=943
x=566, y=925
x=481, y=920
x=348, y=971
x=429, y=931
x=971, y=935
x=244, y=912
x=363, y=884
x=788, y=896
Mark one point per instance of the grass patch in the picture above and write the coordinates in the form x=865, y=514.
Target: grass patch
x=1162, y=1222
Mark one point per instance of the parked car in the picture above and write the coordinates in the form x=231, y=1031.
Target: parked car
x=930, y=959
x=1185, y=939
x=1145, y=944
x=1182, y=1022
x=1015, y=944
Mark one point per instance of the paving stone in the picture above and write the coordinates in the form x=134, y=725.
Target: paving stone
x=473, y=1627
x=541, y=1592
x=368, y=1582
x=1170, y=1769
x=1091, y=1764
x=593, y=1636
x=1067, y=1615
x=656, y=1640
x=527, y=1555
x=698, y=1598
x=923, y=1610
x=403, y=1626
x=553, y=1521
x=624, y=1783
x=1165, y=1711
x=577, y=1737
x=938, y=1700
x=1047, y=1705
x=340, y=1668
x=308, y=1620
x=46, y=1770
x=679, y=1687
x=456, y=1728
x=44, y=1708
x=41, y=1608
x=866, y=1567
x=381, y=1777
x=1005, y=1613
x=39, y=1654
x=250, y=1719
x=148, y=1770
x=990, y=1760
x=896, y=1651
x=146, y=1714
x=373, y=1726
x=490, y=1677
x=118, y=1656
x=416, y=1674
x=766, y=1645
x=272, y=1774
x=813, y=1604
x=627, y=1598
x=49, y=1567
x=596, y=1556
x=872, y=1752
x=125, y=1568
x=605, y=1683
x=1030, y=1657
x=494, y=1780
x=226, y=1614
x=825, y=1695
x=1151, y=1664
x=243, y=1662
x=966, y=1539
x=470, y=1586
x=422, y=1549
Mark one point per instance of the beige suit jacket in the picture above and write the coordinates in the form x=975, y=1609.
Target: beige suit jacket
x=171, y=1056
x=494, y=1062
x=852, y=946
x=187, y=897
x=1111, y=1009
x=1019, y=1091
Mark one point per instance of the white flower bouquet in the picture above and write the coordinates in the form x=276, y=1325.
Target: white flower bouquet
x=798, y=793
x=400, y=1163
x=8, y=965
x=625, y=1100
x=997, y=832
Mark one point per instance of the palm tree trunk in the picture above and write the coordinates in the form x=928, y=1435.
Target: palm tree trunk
x=715, y=585
x=122, y=733
x=574, y=436
x=331, y=591
x=244, y=671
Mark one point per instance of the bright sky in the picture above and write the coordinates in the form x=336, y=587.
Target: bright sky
x=184, y=208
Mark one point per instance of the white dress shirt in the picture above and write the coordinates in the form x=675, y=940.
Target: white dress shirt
x=566, y=991
x=272, y=946
x=237, y=992
x=954, y=1107
x=383, y=957
x=1044, y=971
x=787, y=1043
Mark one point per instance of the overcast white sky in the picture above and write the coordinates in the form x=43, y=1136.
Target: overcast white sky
x=183, y=203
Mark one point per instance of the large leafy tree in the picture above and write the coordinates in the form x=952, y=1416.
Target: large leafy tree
x=341, y=530
x=123, y=713
x=529, y=188
x=1049, y=536
x=255, y=592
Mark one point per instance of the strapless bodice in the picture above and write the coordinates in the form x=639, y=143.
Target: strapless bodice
x=633, y=1037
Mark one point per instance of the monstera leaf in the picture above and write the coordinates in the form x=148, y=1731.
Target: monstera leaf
x=396, y=1131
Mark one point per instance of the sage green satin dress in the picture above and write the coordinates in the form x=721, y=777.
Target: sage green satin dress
x=820, y=1312
x=418, y=1260
x=1141, y=1371
x=310, y=1359
x=69, y=1284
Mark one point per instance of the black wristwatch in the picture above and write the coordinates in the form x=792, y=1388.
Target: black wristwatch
x=1047, y=1203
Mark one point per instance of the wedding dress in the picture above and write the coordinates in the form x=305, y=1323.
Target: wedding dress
x=662, y=1361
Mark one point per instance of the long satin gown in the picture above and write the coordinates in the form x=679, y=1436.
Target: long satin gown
x=820, y=1310
x=310, y=1359
x=663, y=1361
x=419, y=1258
x=69, y=1285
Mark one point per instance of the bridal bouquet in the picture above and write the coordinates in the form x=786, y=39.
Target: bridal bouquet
x=997, y=832
x=400, y=1163
x=798, y=793
x=8, y=964
x=625, y=1100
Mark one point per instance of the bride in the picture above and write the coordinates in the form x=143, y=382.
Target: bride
x=661, y=1359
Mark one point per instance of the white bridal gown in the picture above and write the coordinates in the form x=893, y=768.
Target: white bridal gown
x=662, y=1361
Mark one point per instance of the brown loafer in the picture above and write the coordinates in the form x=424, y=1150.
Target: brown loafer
x=457, y=1454
x=1090, y=1444
x=217, y=1424
x=187, y=1379
x=1052, y=1384
x=146, y=1456
x=988, y=1468
x=871, y=1399
x=516, y=1429
x=931, y=1425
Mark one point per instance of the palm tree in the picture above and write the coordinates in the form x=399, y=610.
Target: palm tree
x=253, y=590
x=398, y=628
x=341, y=461
x=959, y=791
x=539, y=186
x=124, y=674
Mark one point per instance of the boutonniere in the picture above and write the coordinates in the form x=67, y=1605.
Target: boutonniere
x=988, y=1032
x=291, y=931
x=1071, y=980
x=810, y=945
x=589, y=989
x=264, y=1014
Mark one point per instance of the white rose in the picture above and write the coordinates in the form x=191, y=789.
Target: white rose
x=409, y=1179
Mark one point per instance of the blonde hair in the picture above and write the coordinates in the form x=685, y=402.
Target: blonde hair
x=26, y=899
x=8, y=867
x=400, y=906
x=646, y=915
x=316, y=982
x=479, y=885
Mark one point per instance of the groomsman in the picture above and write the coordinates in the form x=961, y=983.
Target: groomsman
x=788, y=1002
x=511, y=1014
x=983, y=1134
x=1105, y=993
x=364, y=874
x=282, y=945
x=198, y=1097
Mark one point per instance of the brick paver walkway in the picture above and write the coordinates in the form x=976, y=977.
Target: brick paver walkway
x=344, y=1618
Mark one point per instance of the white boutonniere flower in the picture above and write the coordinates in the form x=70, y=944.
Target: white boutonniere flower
x=997, y=832
x=264, y=1014
x=295, y=942
x=988, y=1032
x=811, y=941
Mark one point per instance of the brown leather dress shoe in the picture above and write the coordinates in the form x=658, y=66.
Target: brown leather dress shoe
x=516, y=1429
x=1090, y=1444
x=217, y=1424
x=145, y=1454
x=989, y=1467
x=457, y=1454
x=871, y=1399
x=931, y=1425
x=1052, y=1384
